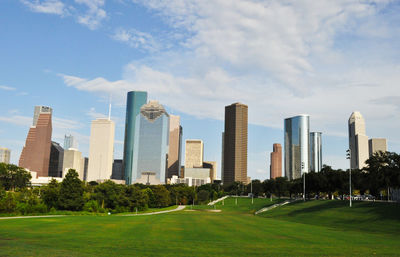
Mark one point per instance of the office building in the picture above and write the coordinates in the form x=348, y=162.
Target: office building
x=377, y=145
x=117, y=170
x=151, y=145
x=358, y=141
x=135, y=100
x=101, y=150
x=190, y=181
x=315, y=151
x=70, y=142
x=296, y=137
x=85, y=168
x=56, y=160
x=235, y=144
x=5, y=155
x=35, y=155
x=194, y=153
x=175, y=142
x=213, y=169
x=73, y=160
x=275, y=170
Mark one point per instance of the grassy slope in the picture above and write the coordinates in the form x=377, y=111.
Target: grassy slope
x=232, y=232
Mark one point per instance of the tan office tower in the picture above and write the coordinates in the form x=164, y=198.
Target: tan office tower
x=101, y=150
x=5, y=154
x=194, y=152
x=276, y=162
x=358, y=141
x=35, y=155
x=175, y=142
x=377, y=145
x=73, y=160
x=213, y=169
x=235, y=144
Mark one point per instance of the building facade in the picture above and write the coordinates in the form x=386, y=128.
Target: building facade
x=213, y=169
x=377, y=145
x=315, y=151
x=101, y=150
x=358, y=141
x=73, y=160
x=194, y=153
x=117, y=170
x=35, y=155
x=296, y=137
x=276, y=162
x=135, y=100
x=175, y=143
x=235, y=144
x=56, y=160
x=5, y=155
x=151, y=145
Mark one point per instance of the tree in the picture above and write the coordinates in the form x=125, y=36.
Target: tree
x=71, y=192
x=137, y=198
x=203, y=196
x=160, y=197
x=50, y=194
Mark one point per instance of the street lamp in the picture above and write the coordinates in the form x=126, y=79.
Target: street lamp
x=304, y=182
x=348, y=156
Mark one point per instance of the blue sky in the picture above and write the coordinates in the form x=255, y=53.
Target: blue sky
x=281, y=58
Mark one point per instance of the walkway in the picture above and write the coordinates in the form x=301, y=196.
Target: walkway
x=179, y=208
x=273, y=206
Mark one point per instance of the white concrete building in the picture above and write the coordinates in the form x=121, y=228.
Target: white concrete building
x=377, y=145
x=5, y=154
x=73, y=160
x=194, y=153
x=101, y=150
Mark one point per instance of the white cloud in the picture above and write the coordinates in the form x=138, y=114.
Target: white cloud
x=17, y=120
x=6, y=88
x=136, y=39
x=94, y=15
x=46, y=6
x=95, y=115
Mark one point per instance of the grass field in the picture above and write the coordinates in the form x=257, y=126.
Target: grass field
x=299, y=229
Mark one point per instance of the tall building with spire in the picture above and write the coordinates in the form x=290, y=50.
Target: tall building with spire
x=358, y=141
x=135, y=100
x=151, y=145
x=101, y=150
x=35, y=155
x=297, y=146
x=70, y=142
x=276, y=162
x=235, y=144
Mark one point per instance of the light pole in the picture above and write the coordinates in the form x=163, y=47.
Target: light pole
x=251, y=186
x=348, y=156
x=304, y=182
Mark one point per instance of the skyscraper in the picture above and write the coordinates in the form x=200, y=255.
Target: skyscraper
x=73, y=160
x=194, y=153
x=213, y=169
x=358, y=141
x=377, y=145
x=316, y=151
x=70, y=142
x=151, y=145
x=175, y=141
x=297, y=132
x=135, y=100
x=276, y=162
x=235, y=144
x=101, y=150
x=56, y=160
x=35, y=155
x=5, y=154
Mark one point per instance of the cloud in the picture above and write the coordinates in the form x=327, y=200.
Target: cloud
x=94, y=15
x=95, y=115
x=17, y=120
x=6, y=88
x=136, y=39
x=46, y=6
x=58, y=123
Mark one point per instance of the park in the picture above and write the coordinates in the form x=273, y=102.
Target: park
x=228, y=228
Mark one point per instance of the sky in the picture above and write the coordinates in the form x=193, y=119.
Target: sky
x=281, y=58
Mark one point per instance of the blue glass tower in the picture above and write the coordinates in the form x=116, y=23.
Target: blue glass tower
x=151, y=145
x=135, y=100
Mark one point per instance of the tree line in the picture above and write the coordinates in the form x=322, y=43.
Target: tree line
x=72, y=194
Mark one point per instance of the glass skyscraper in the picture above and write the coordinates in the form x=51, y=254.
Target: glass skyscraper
x=297, y=132
x=151, y=145
x=316, y=151
x=135, y=100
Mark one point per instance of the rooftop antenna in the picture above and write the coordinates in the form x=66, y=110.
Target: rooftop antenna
x=109, y=109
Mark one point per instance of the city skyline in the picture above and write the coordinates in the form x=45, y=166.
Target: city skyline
x=281, y=76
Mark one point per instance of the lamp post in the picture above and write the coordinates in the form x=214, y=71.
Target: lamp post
x=348, y=156
x=304, y=182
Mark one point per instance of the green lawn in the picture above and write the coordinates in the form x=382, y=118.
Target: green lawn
x=298, y=229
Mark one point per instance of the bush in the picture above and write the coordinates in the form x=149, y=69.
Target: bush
x=91, y=206
x=8, y=203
